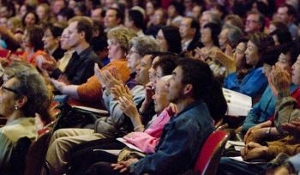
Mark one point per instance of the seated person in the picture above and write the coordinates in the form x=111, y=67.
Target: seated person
x=116, y=125
x=255, y=82
x=146, y=140
x=286, y=112
x=89, y=93
x=80, y=66
x=23, y=94
x=257, y=132
x=291, y=165
x=191, y=81
x=264, y=109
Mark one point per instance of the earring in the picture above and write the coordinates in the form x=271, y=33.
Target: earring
x=16, y=107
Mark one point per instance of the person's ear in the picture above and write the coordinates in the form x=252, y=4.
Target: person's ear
x=188, y=89
x=20, y=102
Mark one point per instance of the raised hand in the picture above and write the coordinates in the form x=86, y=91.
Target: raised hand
x=120, y=90
x=279, y=81
x=128, y=107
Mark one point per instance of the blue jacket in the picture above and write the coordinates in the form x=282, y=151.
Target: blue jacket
x=253, y=84
x=180, y=143
x=262, y=110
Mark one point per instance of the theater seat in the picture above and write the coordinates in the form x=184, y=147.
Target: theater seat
x=211, y=152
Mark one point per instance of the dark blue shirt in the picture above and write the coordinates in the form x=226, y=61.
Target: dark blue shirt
x=180, y=143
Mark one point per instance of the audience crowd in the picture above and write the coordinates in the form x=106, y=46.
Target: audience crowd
x=159, y=69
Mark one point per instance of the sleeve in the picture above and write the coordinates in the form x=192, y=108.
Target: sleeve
x=251, y=118
x=177, y=150
x=56, y=73
x=286, y=145
x=285, y=111
x=6, y=147
x=143, y=141
x=295, y=161
x=91, y=91
x=255, y=84
x=116, y=114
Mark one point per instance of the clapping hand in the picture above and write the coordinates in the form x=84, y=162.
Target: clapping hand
x=128, y=107
x=279, y=80
x=106, y=78
x=120, y=90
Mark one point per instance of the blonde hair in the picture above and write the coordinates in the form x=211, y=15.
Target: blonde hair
x=123, y=36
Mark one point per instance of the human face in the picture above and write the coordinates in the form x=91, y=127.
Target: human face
x=162, y=42
x=64, y=40
x=96, y=15
x=72, y=4
x=57, y=6
x=142, y=71
x=50, y=42
x=3, y=11
x=283, y=15
x=30, y=19
x=205, y=18
x=3, y=22
x=114, y=49
x=175, y=86
x=252, y=24
x=133, y=58
x=23, y=10
x=272, y=28
x=296, y=71
x=284, y=61
x=252, y=56
x=171, y=11
x=8, y=97
x=74, y=36
x=149, y=9
x=41, y=12
x=110, y=19
x=25, y=42
x=206, y=36
x=160, y=96
x=239, y=53
x=158, y=17
x=223, y=38
x=152, y=71
x=186, y=32
x=196, y=11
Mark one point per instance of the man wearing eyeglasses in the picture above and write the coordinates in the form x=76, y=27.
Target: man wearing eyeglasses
x=255, y=22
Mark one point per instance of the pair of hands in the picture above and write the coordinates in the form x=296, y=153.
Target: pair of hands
x=124, y=166
x=46, y=62
x=253, y=150
x=108, y=78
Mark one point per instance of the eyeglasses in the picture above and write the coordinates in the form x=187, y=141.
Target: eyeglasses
x=8, y=89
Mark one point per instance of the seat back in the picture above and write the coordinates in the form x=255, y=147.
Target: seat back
x=211, y=152
x=17, y=160
x=4, y=53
